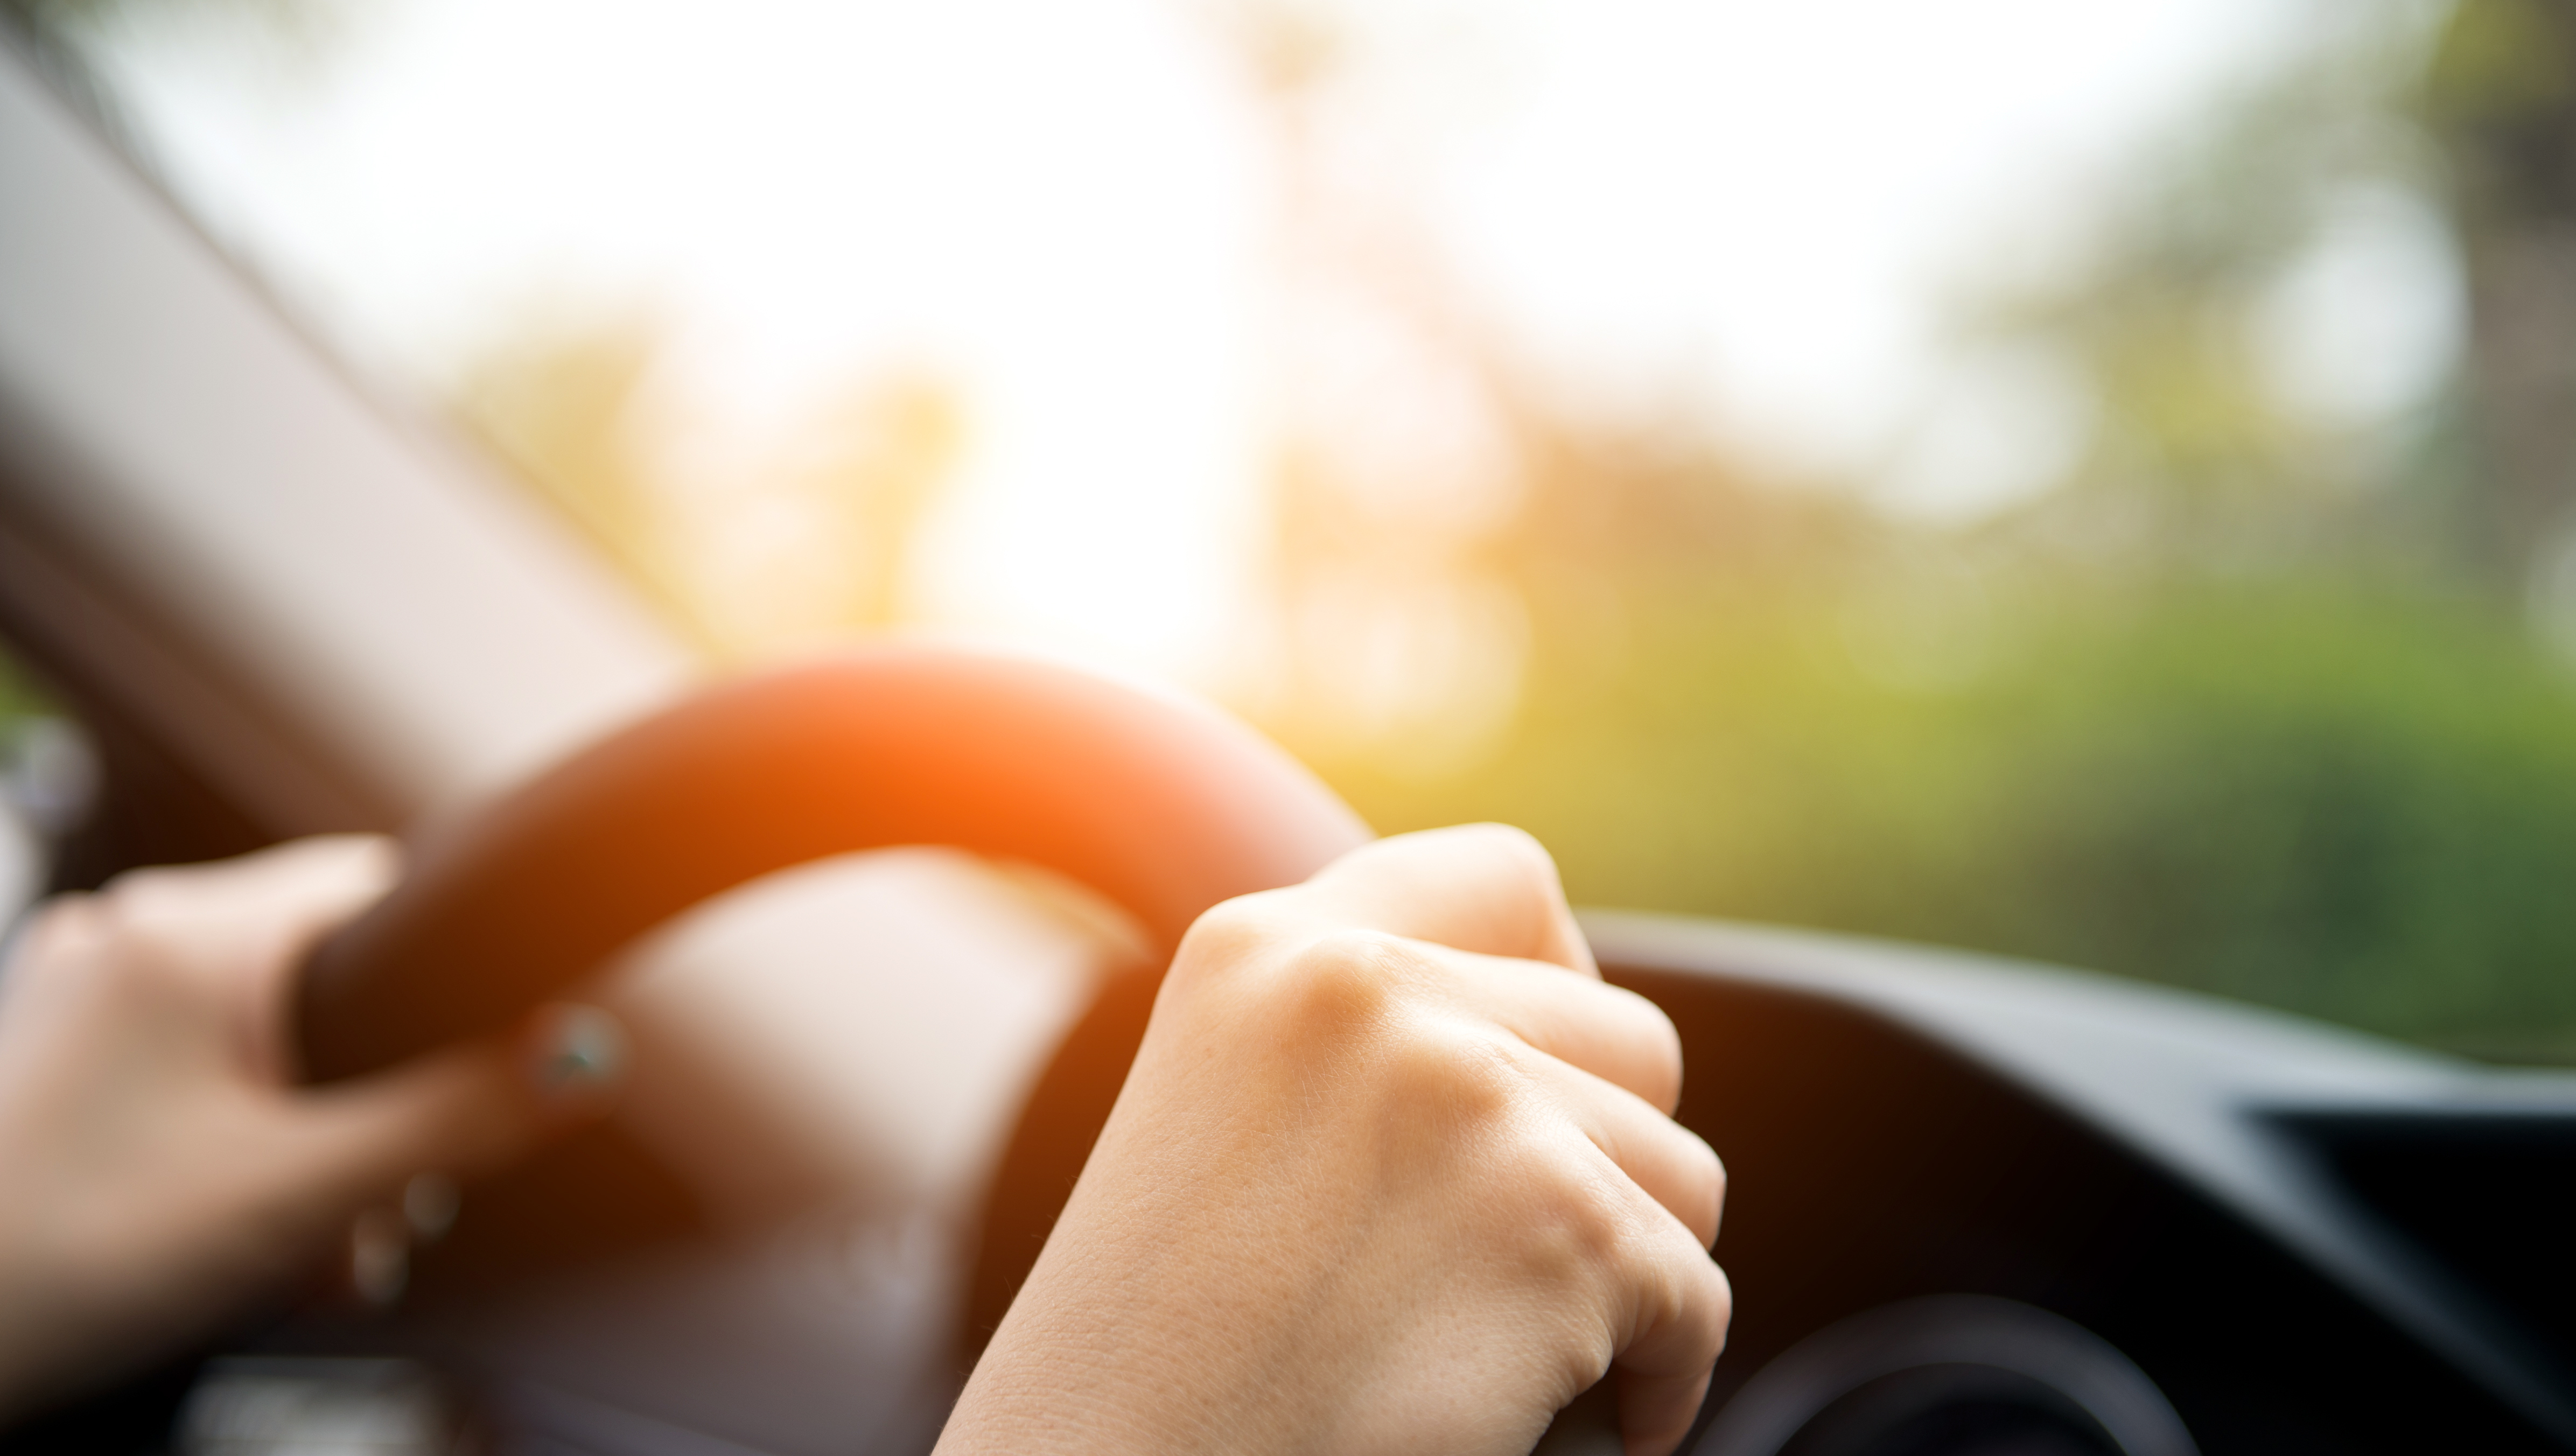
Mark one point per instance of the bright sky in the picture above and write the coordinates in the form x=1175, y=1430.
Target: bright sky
x=1069, y=209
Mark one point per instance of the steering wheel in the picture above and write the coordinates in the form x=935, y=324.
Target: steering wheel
x=1163, y=805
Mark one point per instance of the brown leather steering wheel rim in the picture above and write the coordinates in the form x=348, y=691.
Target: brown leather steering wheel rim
x=1163, y=805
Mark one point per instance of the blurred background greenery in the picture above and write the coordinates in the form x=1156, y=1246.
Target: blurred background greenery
x=2264, y=683
x=2252, y=697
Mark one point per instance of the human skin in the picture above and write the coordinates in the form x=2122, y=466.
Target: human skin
x=1395, y=1171
x=161, y=1165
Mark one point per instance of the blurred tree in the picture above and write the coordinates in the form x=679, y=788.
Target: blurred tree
x=2201, y=453
x=555, y=403
x=785, y=543
x=2213, y=711
x=794, y=548
x=2501, y=95
x=1393, y=635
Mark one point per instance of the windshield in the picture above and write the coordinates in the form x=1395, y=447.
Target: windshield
x=2067, y=481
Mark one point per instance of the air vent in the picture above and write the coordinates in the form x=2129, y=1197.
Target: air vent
x=2489, y=1196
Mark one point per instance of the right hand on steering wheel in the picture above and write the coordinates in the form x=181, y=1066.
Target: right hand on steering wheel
x=1395, y=1171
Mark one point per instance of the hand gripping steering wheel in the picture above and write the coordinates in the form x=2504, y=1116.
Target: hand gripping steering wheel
x=1162, y=805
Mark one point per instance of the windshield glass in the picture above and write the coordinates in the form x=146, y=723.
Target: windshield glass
x=2064, y=480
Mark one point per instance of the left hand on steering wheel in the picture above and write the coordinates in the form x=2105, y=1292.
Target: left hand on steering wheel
x=161, y=1166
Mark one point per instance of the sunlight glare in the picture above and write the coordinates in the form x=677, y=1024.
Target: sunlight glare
x=1069, y=214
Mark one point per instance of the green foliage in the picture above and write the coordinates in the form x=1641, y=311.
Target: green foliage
x=2348, y=803
x=2196, y=456
x=2237, y=706
x=2500, y=63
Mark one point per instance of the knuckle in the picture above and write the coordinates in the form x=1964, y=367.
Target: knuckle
x=1578, y=1222
x=1521, y=848
x=1356, y=951
x=1238, y=919
x=144, y=934
x=65, y=917
x=1582, y=1249
x=1707, y=1193
x=144, y=891
x=1677, y=1284
x=1661, y=1051
x=128, y=914
x=1525, y=866
x=1530, y=860
x=1457, y=1079
x=1344, y=980
x=1231, y=933
x=1451, y=1094
x=1522, y=888
x=63, y=934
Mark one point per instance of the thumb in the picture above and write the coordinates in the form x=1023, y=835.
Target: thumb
x=462, y=1111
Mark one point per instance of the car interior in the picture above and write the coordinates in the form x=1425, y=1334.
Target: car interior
x=884, y=953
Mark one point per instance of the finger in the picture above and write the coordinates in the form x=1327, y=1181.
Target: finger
x=1607, y=1030
x=305, y=882
x=1672, y=1164
x=309, y=888
x=240, y=927
x=1680, y=1307
x=1487, y=888
x=463, y=1111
